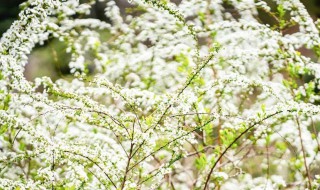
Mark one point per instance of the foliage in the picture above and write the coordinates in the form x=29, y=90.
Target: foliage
x=194, y=95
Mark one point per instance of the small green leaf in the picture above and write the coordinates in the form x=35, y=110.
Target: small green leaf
x=263, y=108
x=201, y=162
x=22, y=146
x=281, y=11
x=3, y=128
x=5, y=102
x=149, y=120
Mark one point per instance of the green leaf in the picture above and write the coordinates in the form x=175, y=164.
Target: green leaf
x=201, y=162
x=149, y=120
x=6, y=102
x=263, y=108
x=78, y=112
x=281, y=11
x=22, y=146
x=208, y=129
x=3, y=129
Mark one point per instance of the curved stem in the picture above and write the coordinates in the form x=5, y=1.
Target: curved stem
x=232, y=143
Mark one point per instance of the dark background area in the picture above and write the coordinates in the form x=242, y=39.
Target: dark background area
x=9, y=9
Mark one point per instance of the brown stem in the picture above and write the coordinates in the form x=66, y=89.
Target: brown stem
x=234, y=141
x=127, y=167
x=304, y=154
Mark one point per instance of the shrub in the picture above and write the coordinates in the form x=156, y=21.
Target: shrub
x=193, y=95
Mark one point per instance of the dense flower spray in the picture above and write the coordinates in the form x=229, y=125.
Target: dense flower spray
x=189, y=95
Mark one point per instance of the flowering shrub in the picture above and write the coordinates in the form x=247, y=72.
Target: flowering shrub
x=192, y=95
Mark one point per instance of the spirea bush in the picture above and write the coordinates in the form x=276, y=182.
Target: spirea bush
x=210, y=94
